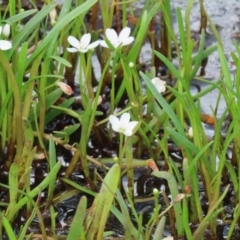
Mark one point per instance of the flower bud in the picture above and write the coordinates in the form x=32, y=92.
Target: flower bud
x=155, y=192
x=190, y=132
x=53, y=16
x=5, y=30
x=179, y=197
x=131, y=64
x=65, y=88
x=152, y=165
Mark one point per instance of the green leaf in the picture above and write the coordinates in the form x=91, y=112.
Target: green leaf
x=173, y=186
x=62, y=61
x=34, y=192
x=8, y=228
x=13, y=183
x=102, y=203
x=61, y=23
x=160, y=228
x=50, y=100
x=30, y=26
x=52, y=163
x=55, y=112
x=71, y=129
x=163, y=103
x=20, y=16
x=28, y=144
x=76, y=230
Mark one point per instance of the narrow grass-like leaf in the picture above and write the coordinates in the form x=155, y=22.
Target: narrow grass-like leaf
x=33, y=193
x=62, y=61
x=61, y=23
x=53, y=216
x=198, y=234
x=208, y=51
x=78, y=187
x=27, y=147
x=51, y=98
x=124, y=218
x=20, y=16
x=71, y=129
x=160, y=228
x=182, y=33
x=145, y=21
x=8, y=228
x=21, y=65
x=108, y=191
x=199, y=56
x=163, y=103
x=26, y=225
x=233, y=177
x=54, y=112
x=181, y=140
x=13, y=182
x=76, y=230
x=102, y=204
x=52, y=163
x=30, y=26
x=173, y=186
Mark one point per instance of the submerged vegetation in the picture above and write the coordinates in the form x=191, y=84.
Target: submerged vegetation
x=73, y=142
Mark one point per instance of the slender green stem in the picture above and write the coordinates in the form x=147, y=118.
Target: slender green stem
x=82, y=79
x=121, y=152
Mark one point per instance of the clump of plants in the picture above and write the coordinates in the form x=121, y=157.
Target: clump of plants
x=127, y=117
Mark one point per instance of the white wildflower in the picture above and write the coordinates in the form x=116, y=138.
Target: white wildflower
x=123, y=124
x=83, y=45
x=122, y=40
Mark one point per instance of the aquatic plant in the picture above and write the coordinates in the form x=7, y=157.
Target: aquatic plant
x=71, y=133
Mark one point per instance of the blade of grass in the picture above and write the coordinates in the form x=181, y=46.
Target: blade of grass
x=76, y=230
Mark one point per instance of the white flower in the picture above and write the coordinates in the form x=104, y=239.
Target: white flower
x=123, y=39
x=159, y=84
x=83, y=45
x=123, y=125
x=5, y=45
x=5, y=30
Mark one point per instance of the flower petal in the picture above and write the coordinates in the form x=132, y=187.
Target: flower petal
x=74, y=42
x=132, y=124
x=5, y=45
x=127, y=132
x=124, y=120
x=114, y=122
x=159, y=84
x=124, y=34
x=128, y=41
x=103, y=43
x=72, y=50
x=93, y=45
x=111, y=35
x=85, y=40
x=83, y=50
